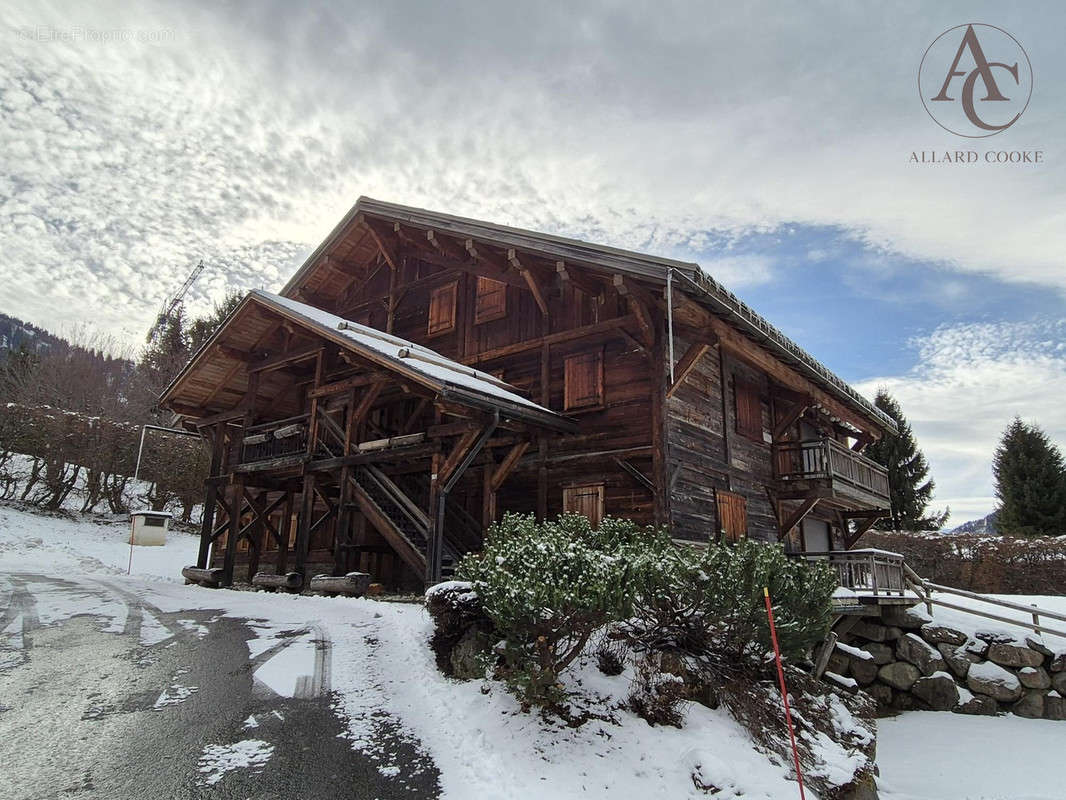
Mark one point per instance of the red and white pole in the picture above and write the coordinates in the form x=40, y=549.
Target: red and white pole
x=784, y=691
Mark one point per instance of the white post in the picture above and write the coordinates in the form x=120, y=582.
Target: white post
x=136, y=473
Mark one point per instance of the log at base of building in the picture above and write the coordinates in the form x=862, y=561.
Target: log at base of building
x=354, y=584
x=211, y=578
x=291, y=581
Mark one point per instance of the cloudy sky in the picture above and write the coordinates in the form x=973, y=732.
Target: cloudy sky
x=770, y=143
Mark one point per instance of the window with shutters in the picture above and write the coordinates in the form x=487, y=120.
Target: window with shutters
x=442, y=304
x=585, y=500
x=732, y=515
x=583, y=380
x=491, y=300
x=748, y=409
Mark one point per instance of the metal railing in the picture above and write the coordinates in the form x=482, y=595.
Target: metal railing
x=277, y=439
x=874, y=572
x=828, y=459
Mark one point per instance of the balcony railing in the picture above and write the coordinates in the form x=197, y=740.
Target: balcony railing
x=827, y=459
x=277, y=439
x=876, y=572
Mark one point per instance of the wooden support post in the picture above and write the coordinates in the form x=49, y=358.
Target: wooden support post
x=431, y=512
x=285, y=529
x=342, y=530
x=303, y=533
x=206, y=525
x=236, y=501
x=797, y=516
x=257, y=539
x=542, y=439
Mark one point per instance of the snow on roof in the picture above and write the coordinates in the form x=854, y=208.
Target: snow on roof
x=414, y=357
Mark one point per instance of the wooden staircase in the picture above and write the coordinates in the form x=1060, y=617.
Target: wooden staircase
x=398, y=518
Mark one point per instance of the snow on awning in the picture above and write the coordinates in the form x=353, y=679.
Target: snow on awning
x=455, y=381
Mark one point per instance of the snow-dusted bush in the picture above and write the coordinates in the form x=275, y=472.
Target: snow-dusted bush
x=709, y=603
x=547, y=587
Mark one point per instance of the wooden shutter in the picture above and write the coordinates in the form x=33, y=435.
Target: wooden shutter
x=442, y=308
x=748, y=409
x=583, y=378
x=586, y=501
x=491, y=300
x=732, y=515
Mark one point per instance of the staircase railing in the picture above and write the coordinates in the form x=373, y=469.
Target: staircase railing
x=925, y=591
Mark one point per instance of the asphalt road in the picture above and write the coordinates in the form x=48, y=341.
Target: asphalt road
x=87, y=711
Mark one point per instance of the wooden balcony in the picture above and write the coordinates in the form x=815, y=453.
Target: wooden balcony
x=274, y=444
x=826, y=468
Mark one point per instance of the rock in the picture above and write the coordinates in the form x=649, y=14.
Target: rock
x=935, y=634
x=1058, y=682
x=466, y=657
x=881, y=693
x=864, y=671
x=910, y=619
x=1058, y=661
x=1013, y=655
x=892, y=633
x=991, y=679
x=976, y=647
x=937, y=691
x=838, y=662
x=1034, y=678
x=873, y=631
x=882, y=653
x=899, y=675
x=903, y=701
x=957, y=658
x=976, y=704
x=1034, y=642
x=920, y=653
x=1031, y=705
x=1054, y=707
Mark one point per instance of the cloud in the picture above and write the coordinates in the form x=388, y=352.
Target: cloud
x=970, y=381
x=739, y=271
x=251, y=130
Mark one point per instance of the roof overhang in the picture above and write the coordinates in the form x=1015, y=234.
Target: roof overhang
x=415, y=363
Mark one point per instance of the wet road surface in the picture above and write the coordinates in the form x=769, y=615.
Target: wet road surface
x=88, y=709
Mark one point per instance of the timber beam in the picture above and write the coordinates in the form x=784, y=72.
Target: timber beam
x=797, y=516
x=688, y=363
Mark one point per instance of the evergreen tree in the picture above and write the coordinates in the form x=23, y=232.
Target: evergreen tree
x=1030, y=483
x=908, y=471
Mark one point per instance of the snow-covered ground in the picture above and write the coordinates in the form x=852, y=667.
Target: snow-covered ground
x=474, y=732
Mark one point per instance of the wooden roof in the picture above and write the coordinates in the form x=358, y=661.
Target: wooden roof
x=219, y=369
x=355, y=240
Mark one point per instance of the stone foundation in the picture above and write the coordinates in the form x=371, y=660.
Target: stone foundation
x=906, y=661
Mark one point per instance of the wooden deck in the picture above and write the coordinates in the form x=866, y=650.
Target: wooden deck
x=876, y=577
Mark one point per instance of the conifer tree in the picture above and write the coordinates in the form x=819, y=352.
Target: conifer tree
x=909, y=485
x=1030, y=483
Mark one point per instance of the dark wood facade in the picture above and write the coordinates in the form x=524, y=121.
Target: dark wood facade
x=644, y=390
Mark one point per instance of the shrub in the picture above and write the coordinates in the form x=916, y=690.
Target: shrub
x=657, y=695
x=547, y=587
x=710, y=602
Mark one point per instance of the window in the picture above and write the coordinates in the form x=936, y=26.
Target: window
x=585, y=500
x=748, y=409
x=442, y=308
x=491, y=300
x=583, y=380
x=732, y=515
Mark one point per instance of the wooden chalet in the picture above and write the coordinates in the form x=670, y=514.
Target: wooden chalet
x=423, y=373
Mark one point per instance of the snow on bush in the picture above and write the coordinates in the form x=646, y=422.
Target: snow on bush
x=547, y=587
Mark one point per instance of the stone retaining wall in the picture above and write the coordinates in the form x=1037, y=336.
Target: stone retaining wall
x=907, y=661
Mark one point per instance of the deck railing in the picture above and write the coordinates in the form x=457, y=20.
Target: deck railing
x=875, y=572
x=828, y=459
x=277, y=439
